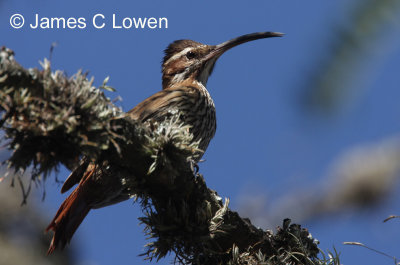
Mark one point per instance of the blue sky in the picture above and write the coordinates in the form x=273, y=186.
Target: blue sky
x=265, y=141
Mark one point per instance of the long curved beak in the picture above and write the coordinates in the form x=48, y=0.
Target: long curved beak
x=219, y=49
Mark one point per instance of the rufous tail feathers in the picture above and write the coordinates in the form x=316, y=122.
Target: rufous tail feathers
x=70, y=215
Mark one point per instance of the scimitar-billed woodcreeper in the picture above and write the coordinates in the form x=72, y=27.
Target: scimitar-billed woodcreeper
x=186, y=67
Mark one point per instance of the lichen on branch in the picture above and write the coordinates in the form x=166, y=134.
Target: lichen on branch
x=50, y=119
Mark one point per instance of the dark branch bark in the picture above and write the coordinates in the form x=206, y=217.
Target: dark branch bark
x=50, y=119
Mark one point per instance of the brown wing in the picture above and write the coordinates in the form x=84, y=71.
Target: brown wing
x=155, y=108
x=159, y=106
x=76, y=175
x=191, y=100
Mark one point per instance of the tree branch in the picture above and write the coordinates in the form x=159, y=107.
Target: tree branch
x=50, y=119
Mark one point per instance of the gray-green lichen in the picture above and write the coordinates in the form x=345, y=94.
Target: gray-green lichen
x=50, y=119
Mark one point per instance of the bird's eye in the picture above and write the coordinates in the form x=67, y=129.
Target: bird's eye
x=190, y=55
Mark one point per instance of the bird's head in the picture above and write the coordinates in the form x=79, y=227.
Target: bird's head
x=187, y=59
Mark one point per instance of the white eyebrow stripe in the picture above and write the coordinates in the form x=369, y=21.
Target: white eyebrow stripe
x=184, y=51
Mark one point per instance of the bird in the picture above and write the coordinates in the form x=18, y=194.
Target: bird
x=186, y=67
